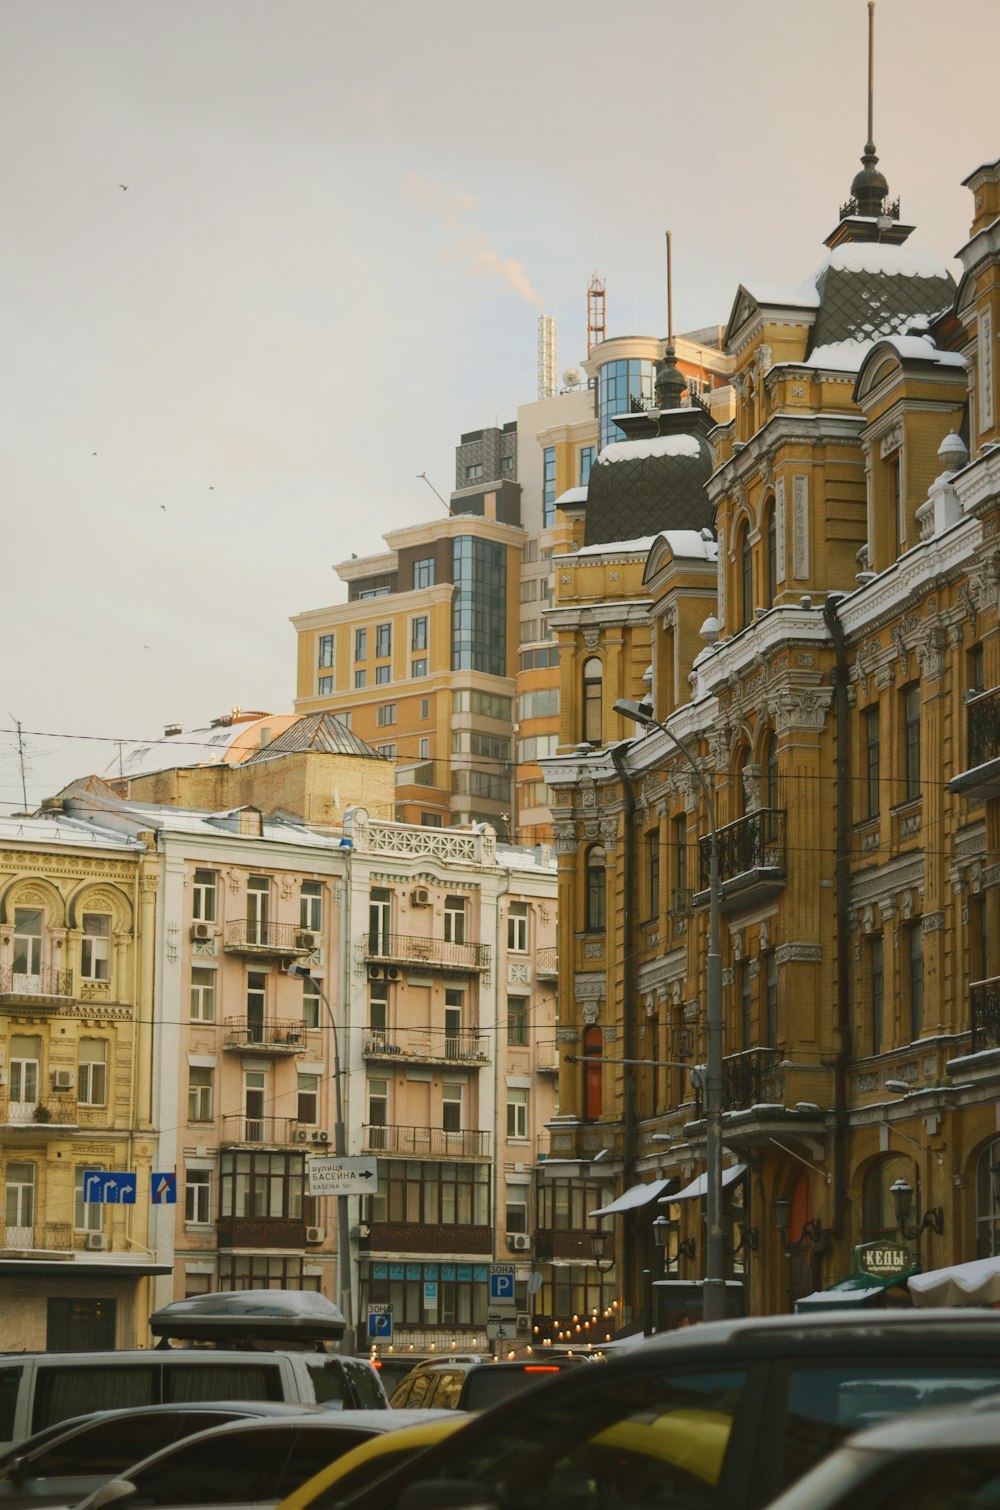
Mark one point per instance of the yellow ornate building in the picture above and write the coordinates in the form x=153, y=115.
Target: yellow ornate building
x=76, y=1008
x=841, y=701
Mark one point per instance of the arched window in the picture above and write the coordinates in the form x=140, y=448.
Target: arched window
x=878, y=1211
x=593, y=1074
x=746, y=578
x=772, y=553
x=593, y=674
x=987, y=1202
x=596, y=890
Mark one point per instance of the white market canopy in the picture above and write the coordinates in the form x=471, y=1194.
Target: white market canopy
x=699, y=1187
x=637, y=1195
x=973, y=1284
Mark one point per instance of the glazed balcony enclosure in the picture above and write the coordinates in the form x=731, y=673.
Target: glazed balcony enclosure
x=984, y=1014
x=751, y=860
x=981, y=778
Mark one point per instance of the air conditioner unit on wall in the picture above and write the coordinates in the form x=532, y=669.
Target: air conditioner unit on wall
x=315, y=1234
x=524, y=1321
x=321, y=1136
x=62, y=1080
x=374, y=972
x=420, y=896
x=392, y=972
x=305, y=940
x=201, y=930
x=97, y=1242
x=518, y=1242
x=301, y=1135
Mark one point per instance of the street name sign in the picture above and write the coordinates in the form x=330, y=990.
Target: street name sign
x=342, y=1176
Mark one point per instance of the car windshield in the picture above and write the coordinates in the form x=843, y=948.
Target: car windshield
x=485, y=1386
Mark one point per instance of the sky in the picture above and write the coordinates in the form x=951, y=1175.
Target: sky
x=263, y=263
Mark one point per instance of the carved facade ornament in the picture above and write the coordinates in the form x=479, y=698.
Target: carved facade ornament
x=779, y=528
x=728, y=976
x=669, y=616
x=751, y=788
x=931, y=653
x=736, y=943
x=566, y=1035
x=801, y=708
x=591, y=636
x=565, y=839
x=885, y=675
x=800, y=528
x=868, y=919
x=931, y=922
x=808, y=954
x=906, y=905
x=588, y=790
x=591, y=1012
x=763, y=361
x=890, y=441
x=764, y=935
x=609, y=832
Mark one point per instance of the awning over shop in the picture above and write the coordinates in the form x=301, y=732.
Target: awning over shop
x=83, y=1268
x=856, y=1290
x=637, y=1195
x=699, y=1187
x=973, y=1284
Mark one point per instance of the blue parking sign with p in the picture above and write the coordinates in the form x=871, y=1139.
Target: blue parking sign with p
x=379, y=1326
x=502, y=1285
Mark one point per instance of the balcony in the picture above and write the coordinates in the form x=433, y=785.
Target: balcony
x=445, y=1238
x=266, y=1035
x=751, y=860
x=407, y=949
x=41, y=1237
x=260, y=1232
x=547, y=964
x=981, y=779
x=432, y=1046
x=44, y=988
x=51, y=1116
x=252, y=937
x=427, y=1142
x=748, y=1079
x=239, y=1128
x=984, y=1013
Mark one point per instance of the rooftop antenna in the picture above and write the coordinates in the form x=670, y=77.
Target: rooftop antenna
x=434, y=489
x=870, y=145
x=20, y=756
x=670, y=290
x=596, y=313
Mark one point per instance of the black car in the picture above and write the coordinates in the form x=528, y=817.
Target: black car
x=717, y=1417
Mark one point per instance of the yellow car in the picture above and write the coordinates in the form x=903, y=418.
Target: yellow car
x=356, y=1469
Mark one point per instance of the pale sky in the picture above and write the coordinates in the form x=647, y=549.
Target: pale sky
x=340, y=224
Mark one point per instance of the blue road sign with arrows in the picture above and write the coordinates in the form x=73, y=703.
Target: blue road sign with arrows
x=379, y=1326
x=163, y=1188
x=110, y=1186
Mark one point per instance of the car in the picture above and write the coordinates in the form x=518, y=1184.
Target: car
x=65, y=1462
x=945, y=1460
x=722, y=1416
x=455, y=1385
x=247, y=1463
x=363, y=1465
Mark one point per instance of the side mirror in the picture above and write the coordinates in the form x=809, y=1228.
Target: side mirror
x=447, y=1494
x=15, y=1469
x=107, y=1494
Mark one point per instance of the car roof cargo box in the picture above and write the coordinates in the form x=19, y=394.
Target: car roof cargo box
x=250, y=1318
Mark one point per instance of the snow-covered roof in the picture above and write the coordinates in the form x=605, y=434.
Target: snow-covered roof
x=690, y=544
x=922, y=349
x=228, y=743
x=652, y=445
x=879, y=257
x=798, y=295
x=572, y=495
x=65, y=830
x=618, y=547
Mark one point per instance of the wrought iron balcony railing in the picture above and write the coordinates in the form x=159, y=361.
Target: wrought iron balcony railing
x=38, y=1237
x=984, y=1013
x=252, y=936
x=41, y=986
x=407, y=949
x=753, y=843
x=983, y=728
x=462, y=1046
x=265, y=1033
x=239, y=1128
x=427, y=1142
x=37, y=1112
x=546, y=963
x=748, y=1079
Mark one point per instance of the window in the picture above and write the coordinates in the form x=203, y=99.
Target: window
x=454, y=920
x=975, y=675
x=360, y=678
x=746, y=577
x=418, y=633
x=378, y=1008
x=915, y=974
x=506, y=466
x=479, y=606
x=517, y=927
x=378, y=1113
x=95, y=946
x=593, y=673
x=878, y=1212
x=516, y=1209
x=361, y=644
x=618, y=383
x=88, y=1216
x=425, y=709
x=431, y=820
x=383, y=675
x=746, y=1004
x=680, y=862
x=548, y=486
x=517, y=1022
x=411, y=1190
x=517, y=1113
x=423, y=572
x=254, y=1183
x=653, y=873
x=385, y=714
x=976, y=940
x=388, y=751
x=254, y=1087
x=27, y=941
x=486, y=704
x=481, y=784
x=311, y=906
x=772, y=553
x=92, y=1072
x=325, y=686
x=586, y=462
x=451, y=1107
x=453, y=1044
x=198, y=1196
x=424, y=748
x=876, y=991
x=25, y=1064
x=537, y=746
x=326, y=650
x=344, y=717
x=199, y=1094
x=310, y=1002
x=534, y=660
x=771, y=999
x=256, y=1005
x=596, y=889
x=529, y=590
x=542, y=703
x=307, y=1109
x=258, y=909
x=379, y=920
x=418, y=668
x=19, y=1200
x=987, y=1203
x=203, y=899
x=383, y=641
x=872, y=758
x=474, y=472
x=911, y=742
x=593, y=1073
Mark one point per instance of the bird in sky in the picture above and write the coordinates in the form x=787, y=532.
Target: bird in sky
x=163, y=506
x=93, y=453
x=123, y=187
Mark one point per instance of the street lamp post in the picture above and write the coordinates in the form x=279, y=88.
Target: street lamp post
x=344, y=1286
x=714, y=1291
